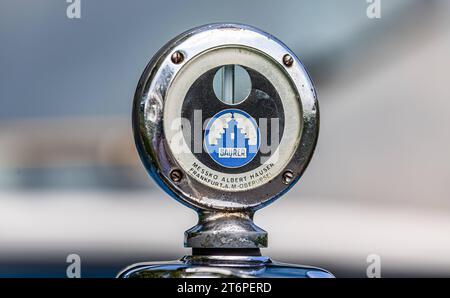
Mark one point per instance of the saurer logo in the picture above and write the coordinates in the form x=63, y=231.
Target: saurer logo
x=232, y=138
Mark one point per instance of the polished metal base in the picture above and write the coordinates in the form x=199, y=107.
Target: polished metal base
x=227, y=230
x=222, y=267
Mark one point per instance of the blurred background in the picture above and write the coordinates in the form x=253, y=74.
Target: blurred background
x=71, y=180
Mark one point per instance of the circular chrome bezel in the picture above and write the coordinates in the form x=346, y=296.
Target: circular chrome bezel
x=148, y=111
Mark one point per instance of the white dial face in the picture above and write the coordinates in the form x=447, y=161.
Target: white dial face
x=238, y=146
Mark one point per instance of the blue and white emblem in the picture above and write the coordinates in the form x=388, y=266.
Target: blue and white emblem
x=232, y=138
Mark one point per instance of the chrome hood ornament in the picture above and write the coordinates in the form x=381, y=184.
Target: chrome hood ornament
x=225, y=120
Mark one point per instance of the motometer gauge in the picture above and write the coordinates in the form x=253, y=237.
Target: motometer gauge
x=225, y=120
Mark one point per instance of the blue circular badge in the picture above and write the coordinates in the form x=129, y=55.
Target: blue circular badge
x=232, y=138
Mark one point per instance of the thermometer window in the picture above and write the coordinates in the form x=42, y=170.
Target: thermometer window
x=232, y=84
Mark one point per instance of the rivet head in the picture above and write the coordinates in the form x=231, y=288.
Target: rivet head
x=176, y=175
x=288, y=177
x=288, y=60
x=177, y=57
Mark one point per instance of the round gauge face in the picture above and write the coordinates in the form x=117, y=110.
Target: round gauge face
x=240, y=146
x=223, y=121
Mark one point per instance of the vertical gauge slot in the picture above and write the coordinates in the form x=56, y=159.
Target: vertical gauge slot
x=232, y=84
